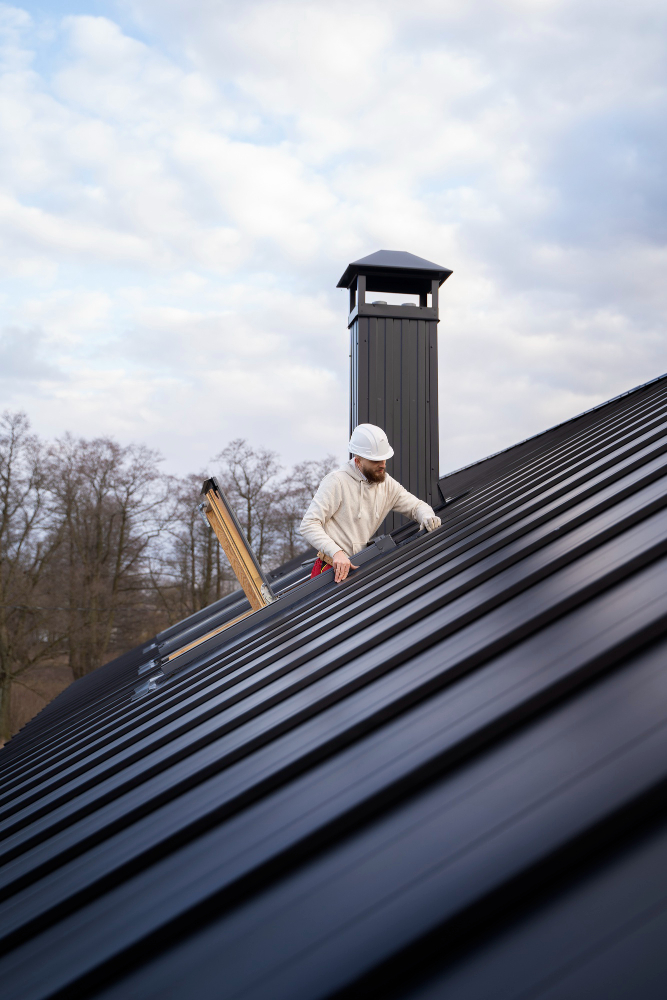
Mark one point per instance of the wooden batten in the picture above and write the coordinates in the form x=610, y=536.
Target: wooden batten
x=242, y=559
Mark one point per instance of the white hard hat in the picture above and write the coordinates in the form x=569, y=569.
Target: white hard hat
x=369, y=441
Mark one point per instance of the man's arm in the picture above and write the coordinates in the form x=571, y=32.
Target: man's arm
x=322, y=507
x=410, y=505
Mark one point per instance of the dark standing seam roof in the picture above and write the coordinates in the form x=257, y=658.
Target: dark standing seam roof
x=445, y=777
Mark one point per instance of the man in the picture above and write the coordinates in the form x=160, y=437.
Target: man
x=351, y=503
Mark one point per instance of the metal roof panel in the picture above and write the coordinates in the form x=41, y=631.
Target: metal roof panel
x=389, y=788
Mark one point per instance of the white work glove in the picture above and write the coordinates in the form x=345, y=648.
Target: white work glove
x=431, y=522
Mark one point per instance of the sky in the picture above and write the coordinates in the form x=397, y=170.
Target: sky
x=182, y=185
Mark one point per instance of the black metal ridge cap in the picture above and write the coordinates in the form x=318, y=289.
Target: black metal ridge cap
x=285, y=603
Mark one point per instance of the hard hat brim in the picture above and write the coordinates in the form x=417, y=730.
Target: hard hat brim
x=377, y=458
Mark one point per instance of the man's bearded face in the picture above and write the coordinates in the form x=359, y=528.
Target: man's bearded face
x=373, y=471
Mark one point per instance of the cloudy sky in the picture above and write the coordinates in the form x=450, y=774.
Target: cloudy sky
x=182, y=183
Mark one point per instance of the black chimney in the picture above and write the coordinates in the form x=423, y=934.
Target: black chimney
x=394, y=364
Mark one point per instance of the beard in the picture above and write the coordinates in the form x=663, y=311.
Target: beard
x=373, y=475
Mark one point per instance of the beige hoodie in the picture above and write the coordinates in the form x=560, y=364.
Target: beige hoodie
x=347, y=510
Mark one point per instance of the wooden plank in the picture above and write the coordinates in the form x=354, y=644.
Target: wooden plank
x=236, y=548
x=209, y=635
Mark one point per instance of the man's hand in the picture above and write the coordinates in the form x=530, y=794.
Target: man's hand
x=431, y=522
x=342, y=566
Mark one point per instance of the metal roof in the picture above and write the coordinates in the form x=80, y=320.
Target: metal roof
x=393, y=260
x=444, y=777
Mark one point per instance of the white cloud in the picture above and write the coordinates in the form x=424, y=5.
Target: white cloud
x=21, y=357
x=182, y=185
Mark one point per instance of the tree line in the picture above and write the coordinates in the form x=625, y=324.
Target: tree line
x=99, y=549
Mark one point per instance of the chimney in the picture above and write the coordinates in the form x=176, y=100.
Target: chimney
x=394, y=364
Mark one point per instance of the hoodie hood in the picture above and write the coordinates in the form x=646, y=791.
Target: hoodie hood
x=350, y=468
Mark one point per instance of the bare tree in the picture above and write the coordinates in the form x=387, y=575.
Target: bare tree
x=28, y=544
x=111, y=505
x=189, y=570
x=294, y=493
x=250, y=478
x=269, y=504
x=99, y=550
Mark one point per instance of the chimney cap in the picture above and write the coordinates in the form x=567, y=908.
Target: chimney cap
x=397, y=267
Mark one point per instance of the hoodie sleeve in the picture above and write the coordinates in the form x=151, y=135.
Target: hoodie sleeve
x=322, y=507
x=410, y=505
